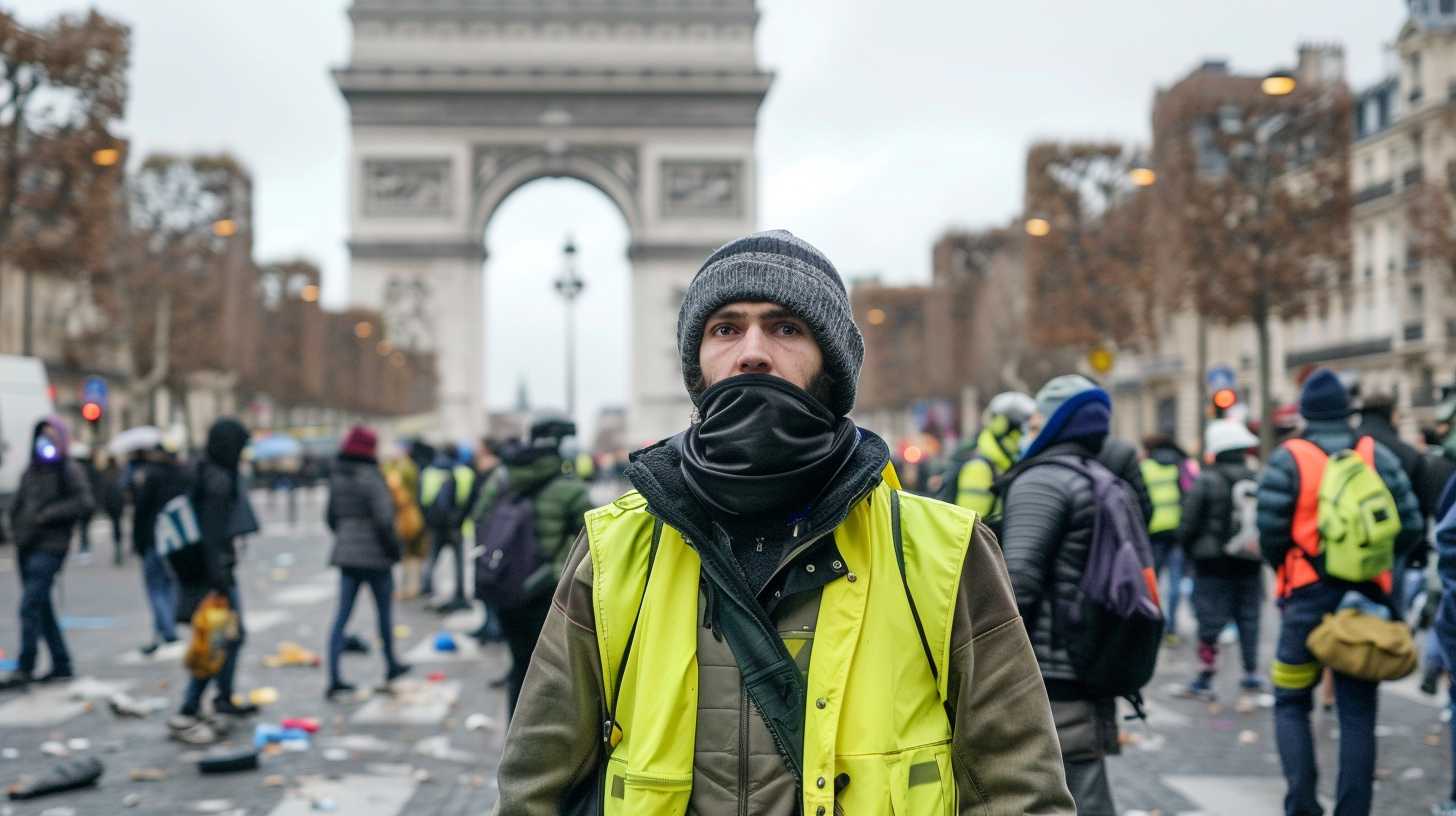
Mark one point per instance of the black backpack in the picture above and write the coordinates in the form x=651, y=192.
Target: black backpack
x=1113, y=629
x=440, y=514
x=509, y=570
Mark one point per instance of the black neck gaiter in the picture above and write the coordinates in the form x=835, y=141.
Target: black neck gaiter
x=763, y=445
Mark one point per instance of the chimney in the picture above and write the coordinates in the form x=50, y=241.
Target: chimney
x=1321, y=63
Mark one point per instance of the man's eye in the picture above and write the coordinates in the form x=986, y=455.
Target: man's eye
x=787, y=329
x=722, y=330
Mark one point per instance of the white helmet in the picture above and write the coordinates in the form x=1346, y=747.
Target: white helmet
x=1224, y=435
x=1015, y=406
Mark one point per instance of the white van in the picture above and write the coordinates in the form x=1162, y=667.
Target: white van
x=25, y=399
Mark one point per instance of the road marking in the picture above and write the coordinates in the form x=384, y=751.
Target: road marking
x=412, y=703
x=352, y=794
x=54, y=704
x=1244, y=795
x=320, y=588
x=467, y=650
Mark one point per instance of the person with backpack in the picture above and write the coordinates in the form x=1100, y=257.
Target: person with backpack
x=444, y=488
x=361, y=515
x=1444, y=628
x=1335, y=513
x=525, y=521
x=53, y=497
x=1218, y=529
x=767, y=622
x=1067, y=514
x=158, y=479
x=207, y=569
x=1377, y=420
x=1168, y=473
x=974, y=469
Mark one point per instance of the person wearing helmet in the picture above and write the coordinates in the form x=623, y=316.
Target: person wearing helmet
x=1220, y=535
x=968, y=482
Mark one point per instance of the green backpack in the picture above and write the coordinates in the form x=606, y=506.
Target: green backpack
x=1358, y=519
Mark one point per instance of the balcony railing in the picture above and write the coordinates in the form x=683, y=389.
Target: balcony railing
x=1375, y=191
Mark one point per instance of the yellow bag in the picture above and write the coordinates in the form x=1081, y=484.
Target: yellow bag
x=1363, y=646
x=214, y=626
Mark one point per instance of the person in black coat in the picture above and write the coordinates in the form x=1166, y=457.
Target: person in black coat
x=361, y=515
x=1228, y=587
x=157, y=478
x=54, y=496
x=216, y=499
x=1046, y=535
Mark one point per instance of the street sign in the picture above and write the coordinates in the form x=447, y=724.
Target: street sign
x=1221, y=377
x=94, y=390
x=1100, y=359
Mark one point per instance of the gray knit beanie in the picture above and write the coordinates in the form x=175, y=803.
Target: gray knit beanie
x=776, y=267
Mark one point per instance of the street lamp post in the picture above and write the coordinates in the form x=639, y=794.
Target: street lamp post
x=570, y=285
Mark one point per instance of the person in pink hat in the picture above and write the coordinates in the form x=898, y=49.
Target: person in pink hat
x=366, y=547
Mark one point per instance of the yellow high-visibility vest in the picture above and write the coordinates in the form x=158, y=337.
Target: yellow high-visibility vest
x=875, y=709
x=1167, y=498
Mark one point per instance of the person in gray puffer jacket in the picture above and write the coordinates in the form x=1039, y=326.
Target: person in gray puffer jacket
x=1046, y=535
x=361, y=515
x=52, y=499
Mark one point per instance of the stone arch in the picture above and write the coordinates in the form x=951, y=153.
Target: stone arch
x=501, y=171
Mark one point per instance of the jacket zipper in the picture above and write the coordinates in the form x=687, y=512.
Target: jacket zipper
x=742, y=749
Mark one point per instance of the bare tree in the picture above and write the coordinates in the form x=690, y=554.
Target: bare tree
x=62, y=87
x=1087, y=263
x=1256, y=194
x=164, y=278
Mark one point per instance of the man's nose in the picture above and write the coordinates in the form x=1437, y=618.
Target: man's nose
x=753, y=355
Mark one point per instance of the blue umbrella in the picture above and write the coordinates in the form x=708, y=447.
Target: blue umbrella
x=277, y=446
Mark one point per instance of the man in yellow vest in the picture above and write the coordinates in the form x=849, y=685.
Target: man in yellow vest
x=445, y=489
x=1168, y=473
x=970, y=479
x=767, y=621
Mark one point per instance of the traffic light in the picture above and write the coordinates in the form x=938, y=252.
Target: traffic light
x=91, y=412
x=1223, y=400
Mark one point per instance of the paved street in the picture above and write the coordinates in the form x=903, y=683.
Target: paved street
x=415, y=754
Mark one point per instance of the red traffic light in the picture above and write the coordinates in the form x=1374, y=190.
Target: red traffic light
x=91, y=412
x=1225, y=398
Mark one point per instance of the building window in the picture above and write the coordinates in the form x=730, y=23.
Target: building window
x=1448, y=6
x=1416, y=300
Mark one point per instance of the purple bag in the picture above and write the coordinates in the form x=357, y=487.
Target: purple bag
x=1113, y=630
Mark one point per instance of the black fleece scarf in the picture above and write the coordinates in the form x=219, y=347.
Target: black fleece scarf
x=763, y=446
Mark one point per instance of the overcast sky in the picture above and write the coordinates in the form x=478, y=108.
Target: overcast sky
x=887, y=122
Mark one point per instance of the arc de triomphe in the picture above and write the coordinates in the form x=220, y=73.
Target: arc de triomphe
x=454, y=104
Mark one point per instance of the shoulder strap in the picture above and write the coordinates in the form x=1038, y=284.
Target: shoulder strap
x=611, y=730
x=1366, y=449
x=899, y=540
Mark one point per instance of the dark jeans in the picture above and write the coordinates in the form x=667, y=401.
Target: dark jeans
x=192, y=703
x=381, y=586
x=441, y=540
x=1168, y=556
x=38, y=571
x=161, y=594
x=118, y=552
x=522, y=627
x=1295, y=676
x=1219, y=601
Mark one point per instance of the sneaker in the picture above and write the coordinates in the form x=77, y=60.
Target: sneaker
x=1446, y=808
x=191, y=731
x=15, y=680
x=56, y=675
x=223, y=705
x=1200, y=689
x=338, y=688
